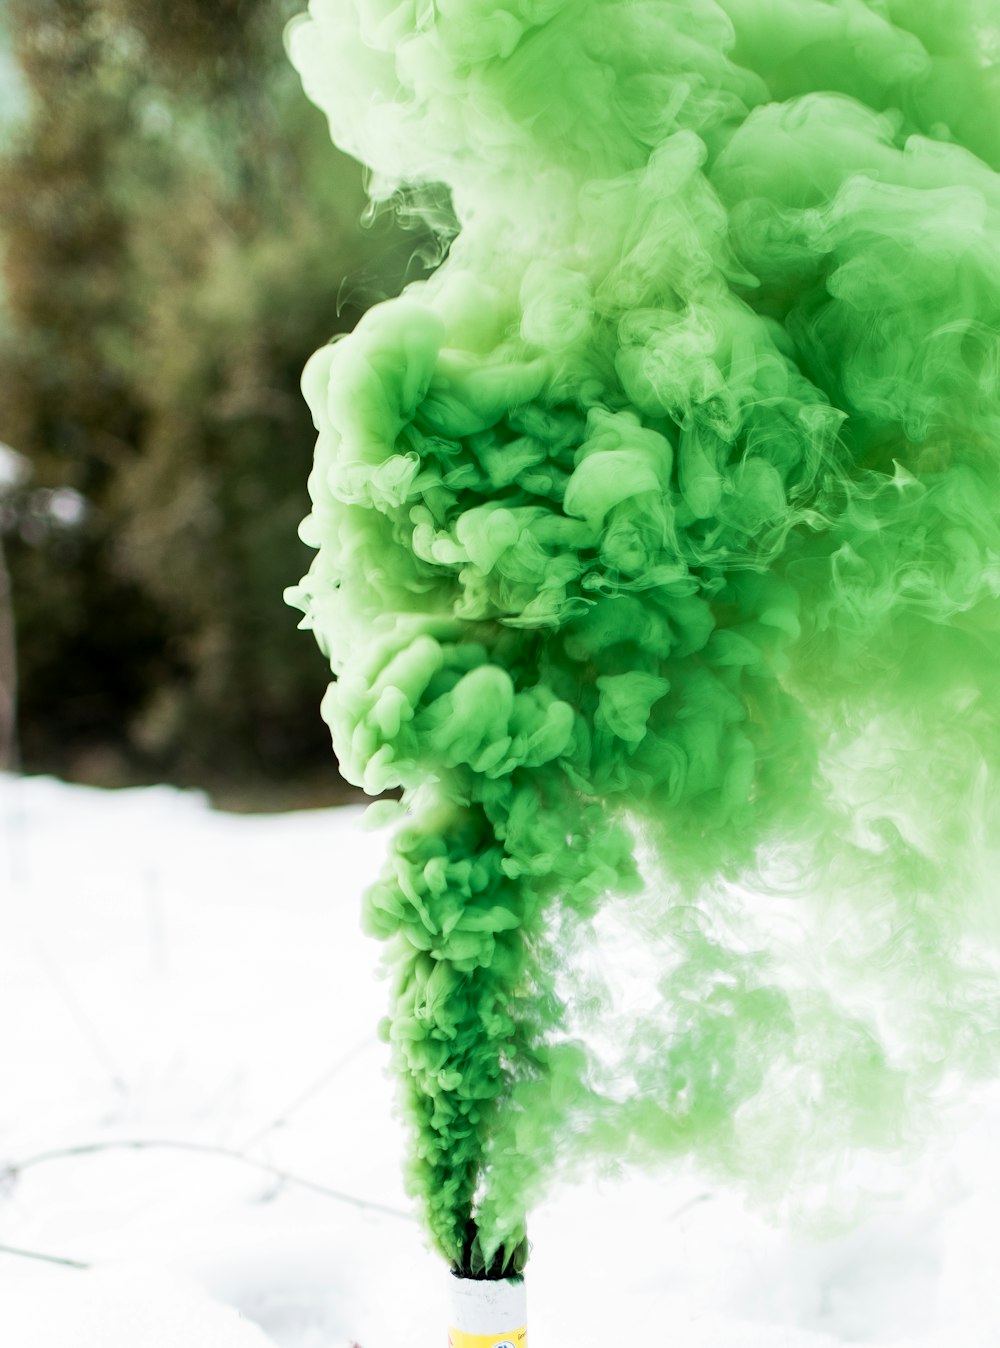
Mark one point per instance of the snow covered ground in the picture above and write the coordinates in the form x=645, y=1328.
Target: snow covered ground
x=171, y=974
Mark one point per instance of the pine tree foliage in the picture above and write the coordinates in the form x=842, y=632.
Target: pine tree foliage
x=176, y=241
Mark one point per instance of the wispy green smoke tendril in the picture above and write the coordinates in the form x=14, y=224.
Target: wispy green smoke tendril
x=668, y=509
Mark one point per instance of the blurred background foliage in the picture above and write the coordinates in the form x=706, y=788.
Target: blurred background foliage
x=178, y=235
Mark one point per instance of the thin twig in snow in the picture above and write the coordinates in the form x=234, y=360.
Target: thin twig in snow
x=307, y=1094
x=691, y=1203
x=81, y=1019
x=44, y=1258
x=12, y=1172
x=155, y=924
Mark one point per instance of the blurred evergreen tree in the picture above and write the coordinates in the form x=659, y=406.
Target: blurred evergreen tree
x=177, y=233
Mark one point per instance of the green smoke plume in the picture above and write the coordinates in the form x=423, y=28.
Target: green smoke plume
x=662, y=523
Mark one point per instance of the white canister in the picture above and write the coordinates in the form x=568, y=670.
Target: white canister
x=488, y=1314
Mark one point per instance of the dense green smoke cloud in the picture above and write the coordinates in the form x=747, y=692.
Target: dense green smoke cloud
x=662, y=521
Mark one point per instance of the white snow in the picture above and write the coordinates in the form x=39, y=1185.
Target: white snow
x=125, y=1305
x=171, y=973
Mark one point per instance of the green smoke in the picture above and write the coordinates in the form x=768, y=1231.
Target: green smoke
x=662, y=522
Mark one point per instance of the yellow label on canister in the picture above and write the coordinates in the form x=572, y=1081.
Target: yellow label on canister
x=457, y=1338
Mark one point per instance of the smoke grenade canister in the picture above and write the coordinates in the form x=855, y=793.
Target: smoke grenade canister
x=488, y=1314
